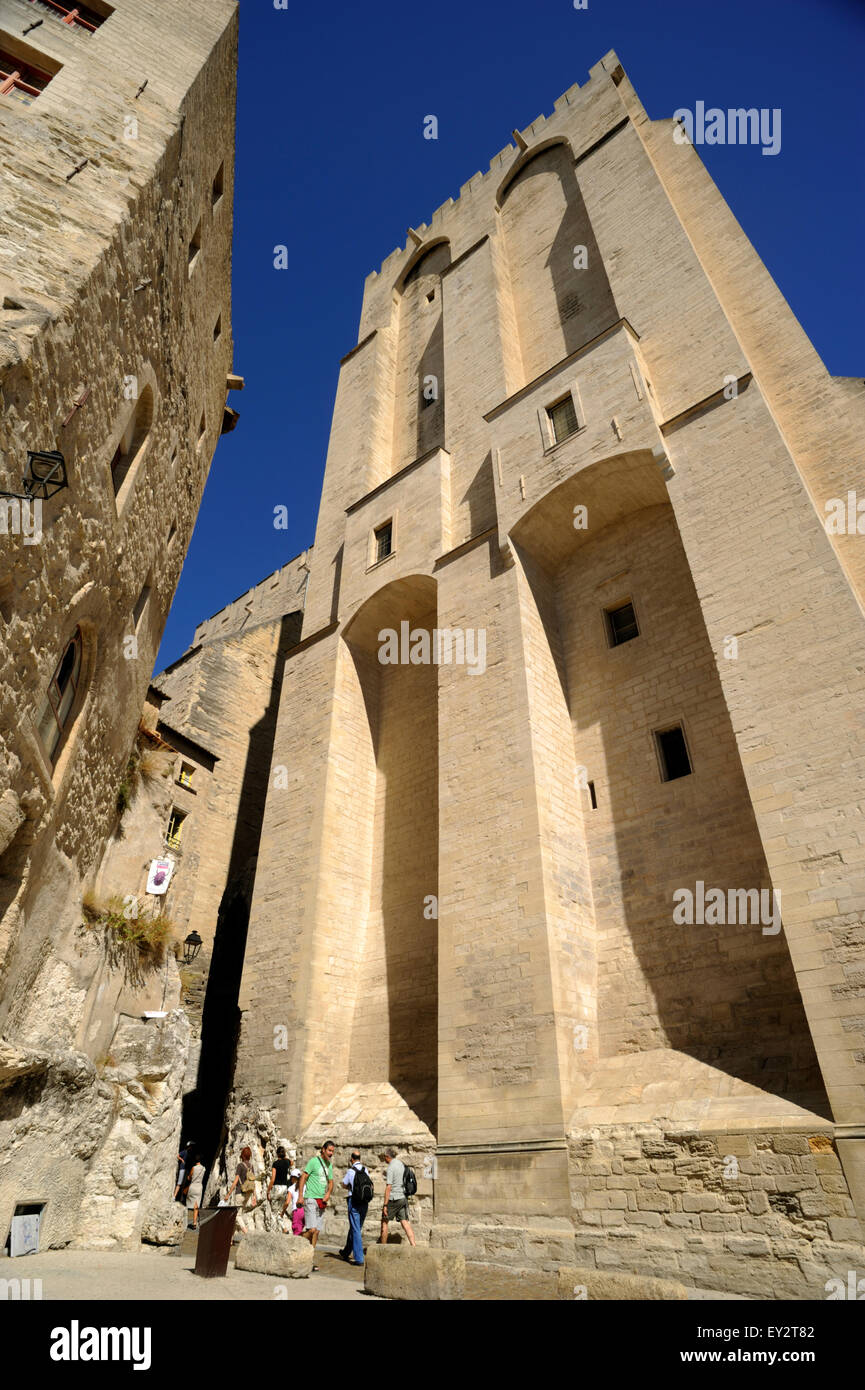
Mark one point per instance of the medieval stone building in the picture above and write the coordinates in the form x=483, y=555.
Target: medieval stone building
x=577, y=650
x=116, y=188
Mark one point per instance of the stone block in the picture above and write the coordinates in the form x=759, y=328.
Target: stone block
x=165, y=1225
x=271, y=1252
x=613, y=1286
x=414, y=1273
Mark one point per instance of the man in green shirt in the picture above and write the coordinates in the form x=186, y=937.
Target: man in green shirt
x=316, y=1185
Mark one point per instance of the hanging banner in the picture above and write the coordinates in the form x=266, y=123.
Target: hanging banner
x=160, y=875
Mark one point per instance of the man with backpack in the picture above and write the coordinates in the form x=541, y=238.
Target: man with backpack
x=360, y=1189
x=401, y=1184
x=316, y=1185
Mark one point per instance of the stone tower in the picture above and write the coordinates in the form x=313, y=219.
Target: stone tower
x=577, y=647
x=116, y=192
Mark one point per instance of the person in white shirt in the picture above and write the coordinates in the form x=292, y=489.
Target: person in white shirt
x=358, y=1206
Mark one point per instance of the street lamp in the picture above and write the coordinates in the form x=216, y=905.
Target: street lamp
x=191, y=946
x=46, y=475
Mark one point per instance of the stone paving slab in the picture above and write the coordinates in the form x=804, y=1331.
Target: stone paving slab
x=111, y=1276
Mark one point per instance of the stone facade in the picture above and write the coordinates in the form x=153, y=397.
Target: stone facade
x=576, y=389
x=116, y=350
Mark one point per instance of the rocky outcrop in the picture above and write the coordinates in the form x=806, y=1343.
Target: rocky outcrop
x=96, y=1146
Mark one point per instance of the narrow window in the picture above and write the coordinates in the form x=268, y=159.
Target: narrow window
x=563, y=418
x=7, y=589
x=171, y=534
x=202, y=429
x=218, y=182
x=59, y=701
x=175, y=828
x=217, y=329
x=131, y=445
x=21, y=80
x=185, y=775
x=593, y=799
x=87, y=17
x=195, y=247
x=672, y=754
x=138, y=610
x=383, y=541
x=621, y=624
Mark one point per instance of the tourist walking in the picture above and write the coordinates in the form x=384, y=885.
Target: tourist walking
x=359, y=1185
x=277, y=1188
x=182, y=1166
x=395, y=1206
x=195, y=1190
x=244, y=1181
x=316, y=1185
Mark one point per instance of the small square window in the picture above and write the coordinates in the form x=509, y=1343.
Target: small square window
x=21, y=80
x=563, y=418
x=185, y=775
x=621, y=624
x=672, y=754
x=383, y=541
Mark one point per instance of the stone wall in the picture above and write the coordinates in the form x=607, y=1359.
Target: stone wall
x=765, y=1213
x=564, y=985
x=118, y=189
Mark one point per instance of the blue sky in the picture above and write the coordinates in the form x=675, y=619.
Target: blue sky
x=331, y=162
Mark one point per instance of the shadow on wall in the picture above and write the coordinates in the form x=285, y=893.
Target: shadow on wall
x=204, y=1108
x=395, y=1027
x=560, y=305
x=724, y=994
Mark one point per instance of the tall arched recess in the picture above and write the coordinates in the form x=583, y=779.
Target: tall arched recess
x=394, y=1034
x=559, y=305
x=419, y=403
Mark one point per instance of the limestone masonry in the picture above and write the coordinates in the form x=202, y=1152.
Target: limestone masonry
x=520, y=817
x=116, y=191
x=580, y=420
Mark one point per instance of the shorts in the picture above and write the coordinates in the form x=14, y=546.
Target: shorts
x=313, y=1216
x=397, y=1209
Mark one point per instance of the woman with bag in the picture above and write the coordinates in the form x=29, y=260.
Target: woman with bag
x=244, y=1181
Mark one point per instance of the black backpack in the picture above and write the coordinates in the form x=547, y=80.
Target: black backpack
x=409, y=1182
x=362, y=1188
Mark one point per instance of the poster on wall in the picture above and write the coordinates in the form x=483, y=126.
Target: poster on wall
x=160, y=875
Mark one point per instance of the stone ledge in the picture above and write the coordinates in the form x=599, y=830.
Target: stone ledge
x=603, y=1285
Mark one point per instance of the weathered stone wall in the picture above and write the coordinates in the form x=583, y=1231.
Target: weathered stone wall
x=760, y=1212
x=117, y=199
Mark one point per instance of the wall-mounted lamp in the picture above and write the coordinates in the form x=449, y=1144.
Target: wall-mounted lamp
x=46, y=475
x=191, y=946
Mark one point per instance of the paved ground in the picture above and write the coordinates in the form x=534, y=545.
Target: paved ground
x=95, y=1275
